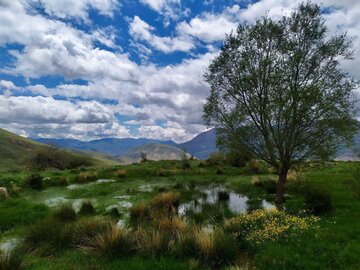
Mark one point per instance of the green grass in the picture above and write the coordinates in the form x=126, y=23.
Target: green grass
x=77, y=261
x=335, y=246
x=18, y=212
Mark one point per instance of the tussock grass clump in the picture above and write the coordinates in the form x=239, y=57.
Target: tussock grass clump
x=121, y=173
x=12, y=260
x=87, y=209
x=108, y=243
x=215, y=248
x=34, y=181
x=152, y=242
x=140, y=213
x=171, y=225
x=166, y=201
x=47, y=237
x=85, y=177
x=65, y=214
x=88, y=228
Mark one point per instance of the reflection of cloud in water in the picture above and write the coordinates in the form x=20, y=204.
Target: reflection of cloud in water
x=237, y=203
x=100, y=181
x=76, y=203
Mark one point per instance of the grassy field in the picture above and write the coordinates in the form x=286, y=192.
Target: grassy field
x=157, y=215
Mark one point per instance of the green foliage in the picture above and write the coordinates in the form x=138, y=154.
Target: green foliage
x=34, y=181
x=318, y=201
x=262, y=226
x=17, y=212
x=51, y=157
x=215, y=159
x=185, y=161
x=263, y=66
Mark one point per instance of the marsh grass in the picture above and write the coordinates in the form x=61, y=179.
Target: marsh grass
x=12, y=260
x=87, y=209
x=65, y=214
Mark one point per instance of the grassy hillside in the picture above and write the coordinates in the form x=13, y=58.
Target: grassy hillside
x=17, y=152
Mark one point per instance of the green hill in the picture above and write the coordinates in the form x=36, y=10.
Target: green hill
x=17, y=152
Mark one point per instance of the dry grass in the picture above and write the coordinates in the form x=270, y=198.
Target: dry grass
x=172, y=225
x=111, y=241
x=121, y=173
x=166, y=201
x=84, y=177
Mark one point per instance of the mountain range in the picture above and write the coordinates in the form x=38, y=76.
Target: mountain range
x=201, y=146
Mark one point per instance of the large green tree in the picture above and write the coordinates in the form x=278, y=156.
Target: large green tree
x=277, y=87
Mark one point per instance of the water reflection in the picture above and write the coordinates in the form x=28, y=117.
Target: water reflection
x=223, y=198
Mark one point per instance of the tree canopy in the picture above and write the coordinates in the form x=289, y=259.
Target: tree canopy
x=278, y=88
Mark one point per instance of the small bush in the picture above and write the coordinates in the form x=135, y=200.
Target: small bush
x=65, y=214
x=254, y=166
x=268, y=183
x=121, y=173
x=237, y=158
x=185, y=162
x=318, y=201
x=11, y=260
x=215, y=159
x=34, y=181
x=85, y=177
x=87, y=208
x=219, y=170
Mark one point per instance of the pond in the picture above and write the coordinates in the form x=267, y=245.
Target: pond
x=222, y=198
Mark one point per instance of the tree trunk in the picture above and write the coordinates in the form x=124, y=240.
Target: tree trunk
x=280, y=189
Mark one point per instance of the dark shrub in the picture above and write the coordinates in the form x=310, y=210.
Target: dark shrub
x=215, y=159
x=223, y=195
x=219, y=170
x=237, y=158
x=87, y=209
x=269, y=185
x=318, y=201
x=201, y=165
x=254, y=166
x=114, y=212
x=47, y=237
x=65, y=214
x=35, y=181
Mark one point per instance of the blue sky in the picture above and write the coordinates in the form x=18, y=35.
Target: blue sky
x=90, y=69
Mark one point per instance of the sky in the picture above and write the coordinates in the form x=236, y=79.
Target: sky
x=90, y=69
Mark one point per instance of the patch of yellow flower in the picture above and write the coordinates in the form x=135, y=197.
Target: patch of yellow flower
x=269, y=225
